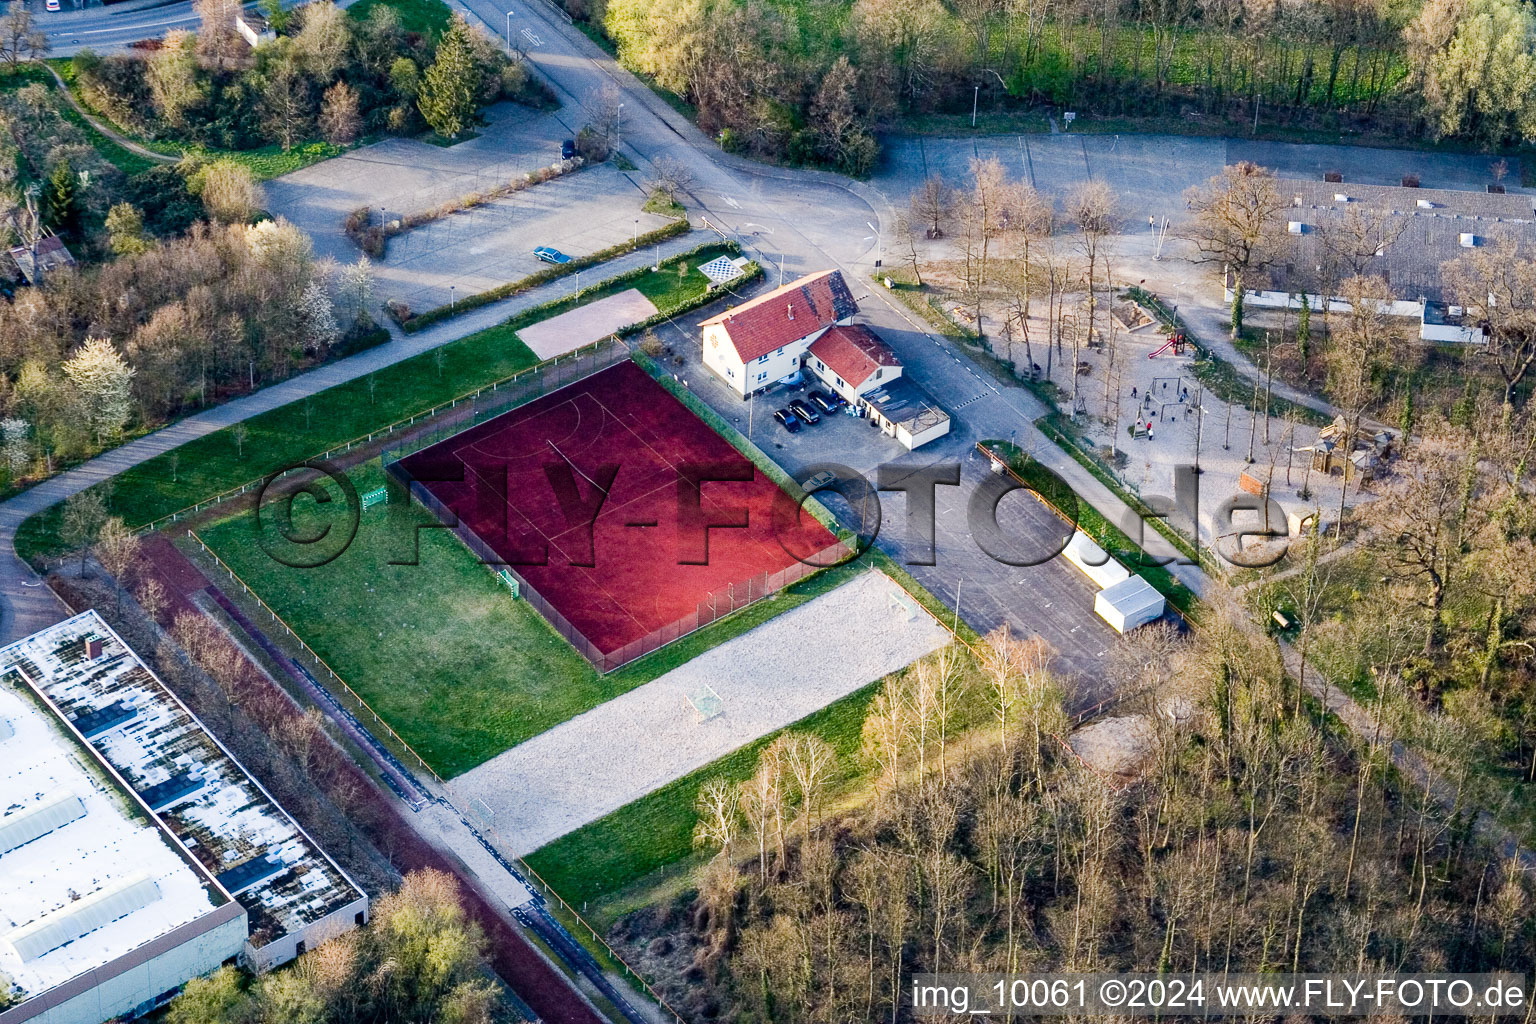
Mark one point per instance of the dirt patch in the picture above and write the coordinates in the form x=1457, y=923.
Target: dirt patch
x=1114, y=746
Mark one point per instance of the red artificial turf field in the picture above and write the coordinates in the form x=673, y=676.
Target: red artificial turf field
x=500, y=479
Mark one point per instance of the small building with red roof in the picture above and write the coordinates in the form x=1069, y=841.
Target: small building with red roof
x=852, y=360
x=752, y=345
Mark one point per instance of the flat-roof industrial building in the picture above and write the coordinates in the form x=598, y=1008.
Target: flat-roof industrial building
x=163, y=857
x=102, y=911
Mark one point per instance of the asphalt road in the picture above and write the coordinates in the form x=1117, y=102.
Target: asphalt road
x=798, y=220
x=108, y=28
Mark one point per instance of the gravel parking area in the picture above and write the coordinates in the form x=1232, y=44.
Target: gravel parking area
x=767, y=678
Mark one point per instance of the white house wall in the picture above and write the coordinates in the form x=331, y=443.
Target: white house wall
x=933, y=433
x=721, y=358
x=850, y=393
x=1452, y=333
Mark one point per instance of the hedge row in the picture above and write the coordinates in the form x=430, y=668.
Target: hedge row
x=548, y=274
x=554, y=307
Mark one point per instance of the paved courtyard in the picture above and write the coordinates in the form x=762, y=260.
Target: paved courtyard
x=767, y=678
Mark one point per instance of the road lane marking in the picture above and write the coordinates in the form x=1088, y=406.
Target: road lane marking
x=528, y=35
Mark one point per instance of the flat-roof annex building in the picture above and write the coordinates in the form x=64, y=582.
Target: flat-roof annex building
x=246, y=874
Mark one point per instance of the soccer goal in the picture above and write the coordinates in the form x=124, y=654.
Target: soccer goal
x=705, y=704
x=903, y=606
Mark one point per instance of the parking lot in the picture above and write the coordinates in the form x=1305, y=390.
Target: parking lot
x=1053, y=599
x=475, y=250
x=478, y=249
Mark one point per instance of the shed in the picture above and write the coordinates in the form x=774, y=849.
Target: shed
x=1095, y=562
x=1130, y=603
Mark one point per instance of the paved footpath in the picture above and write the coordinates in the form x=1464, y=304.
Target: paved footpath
x=29, y=606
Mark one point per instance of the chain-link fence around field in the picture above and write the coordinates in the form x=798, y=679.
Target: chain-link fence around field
x=715, y=604
x=506, y=395
x=516, y=393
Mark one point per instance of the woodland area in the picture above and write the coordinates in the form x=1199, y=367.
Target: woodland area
x=325, y=74
x=812, y=80
x=166, y=327
x=419, y=958
x=181, y=294
x=1254, y=838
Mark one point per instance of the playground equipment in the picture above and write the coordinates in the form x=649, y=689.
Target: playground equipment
x=1176, y=341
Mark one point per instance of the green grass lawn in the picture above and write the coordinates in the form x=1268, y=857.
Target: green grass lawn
x=439, y=649
x=292, y=433
x=271, y=161
x=215, y=463
x=17, y=75
x=601, y=858
x=667, y=289
x=426, y=17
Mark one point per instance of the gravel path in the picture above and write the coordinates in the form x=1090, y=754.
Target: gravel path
x=767, y=678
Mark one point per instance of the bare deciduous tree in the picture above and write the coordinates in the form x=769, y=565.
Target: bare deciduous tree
x=1093, y=210
x=932, y=205
x=1236, y=222
x=118, y=549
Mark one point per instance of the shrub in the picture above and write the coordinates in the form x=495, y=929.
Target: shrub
x=592, y=144
x=399, y=311
x=1410, y=181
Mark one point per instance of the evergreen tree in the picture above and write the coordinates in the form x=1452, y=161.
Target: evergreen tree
x=447, y=97
x=61, y=199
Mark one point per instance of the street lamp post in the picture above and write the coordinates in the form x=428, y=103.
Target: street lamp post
x=509, y=33
x=975, y=99
x=450, y=297
x=879, y=248
x=760, y=229
x=618, y=127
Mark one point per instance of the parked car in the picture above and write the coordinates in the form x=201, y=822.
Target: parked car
x=549, y=255
x=820, y=480
x=805, y=412
x=567, y=149
x=790, y=420
x=52, y=5
x=826, y=402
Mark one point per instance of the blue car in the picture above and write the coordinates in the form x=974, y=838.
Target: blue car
x=549, y=255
